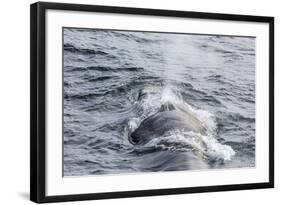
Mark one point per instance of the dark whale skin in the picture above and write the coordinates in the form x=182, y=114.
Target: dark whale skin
x=165, y=120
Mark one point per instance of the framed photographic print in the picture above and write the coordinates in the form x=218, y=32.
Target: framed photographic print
x=129, y=102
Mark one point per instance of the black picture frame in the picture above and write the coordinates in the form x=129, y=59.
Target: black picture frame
x=38, y=101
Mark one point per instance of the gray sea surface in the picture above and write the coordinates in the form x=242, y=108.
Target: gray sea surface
x=116, y=81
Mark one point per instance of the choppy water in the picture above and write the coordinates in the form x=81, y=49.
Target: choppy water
x=115, y=80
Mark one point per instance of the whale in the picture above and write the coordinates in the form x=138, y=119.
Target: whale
x=168, y=118
x=168, y=152
x=167, y=160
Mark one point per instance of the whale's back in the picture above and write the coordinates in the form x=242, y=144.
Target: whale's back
x=164, y=121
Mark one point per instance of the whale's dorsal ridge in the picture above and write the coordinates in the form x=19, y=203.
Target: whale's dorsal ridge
x=167, y=107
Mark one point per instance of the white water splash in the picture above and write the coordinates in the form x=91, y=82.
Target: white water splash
x=205, y=145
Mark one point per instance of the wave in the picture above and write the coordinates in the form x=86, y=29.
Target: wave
x=238, y=117
x=103, y=68
x=101, y=78
x=85, y=51
x=85, y=96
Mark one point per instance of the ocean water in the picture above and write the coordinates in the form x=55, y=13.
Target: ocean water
x=148, y=101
